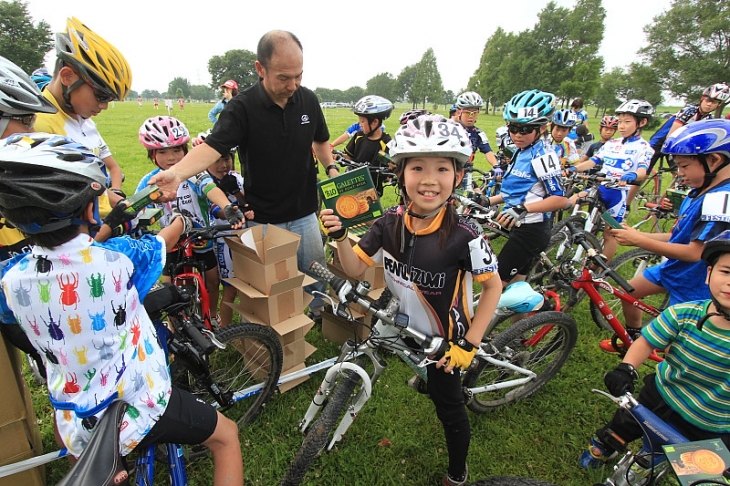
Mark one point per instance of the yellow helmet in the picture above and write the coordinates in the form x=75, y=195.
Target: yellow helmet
x=94, y=59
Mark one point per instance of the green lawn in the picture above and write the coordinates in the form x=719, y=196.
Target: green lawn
x=540, y=437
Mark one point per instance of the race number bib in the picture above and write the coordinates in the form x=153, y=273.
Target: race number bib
x=546, y=166
x=529, y=112
x=716, y=207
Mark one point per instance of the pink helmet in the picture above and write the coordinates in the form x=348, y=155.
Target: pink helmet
x=161, y=132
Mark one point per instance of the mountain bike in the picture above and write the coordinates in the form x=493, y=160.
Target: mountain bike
x=508, y=366
x=648, y=466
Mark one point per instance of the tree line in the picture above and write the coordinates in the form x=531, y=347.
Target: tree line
x=688, y=48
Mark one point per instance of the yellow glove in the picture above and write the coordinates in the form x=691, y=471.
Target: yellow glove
x=460, y=353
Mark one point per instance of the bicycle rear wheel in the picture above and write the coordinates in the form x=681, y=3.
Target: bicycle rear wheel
x=509, y=481
x=628, y=265
x=250, y=364
x=544, y=357
x=320, y=432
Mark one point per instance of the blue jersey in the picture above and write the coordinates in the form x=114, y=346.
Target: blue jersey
x=521, y=184
x=695, y=223
x=582, y=117
x=478, y=139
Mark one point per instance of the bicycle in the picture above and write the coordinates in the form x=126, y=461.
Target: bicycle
x=508, y=366
x=649, y=465
x=651, y=188
x=577, y=283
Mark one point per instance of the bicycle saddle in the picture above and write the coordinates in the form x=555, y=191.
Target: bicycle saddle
x=101, y=463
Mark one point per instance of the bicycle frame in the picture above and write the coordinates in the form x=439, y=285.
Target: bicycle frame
x=588, y=283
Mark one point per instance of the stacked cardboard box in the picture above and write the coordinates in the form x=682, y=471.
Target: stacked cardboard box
x=338, y=329
x=270, y=290
x=20, y=437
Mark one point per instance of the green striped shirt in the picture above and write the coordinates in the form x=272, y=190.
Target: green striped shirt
x=694, y=378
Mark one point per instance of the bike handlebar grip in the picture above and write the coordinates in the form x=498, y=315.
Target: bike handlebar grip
x=321, y=272
x=619, y=280
x=198, y=338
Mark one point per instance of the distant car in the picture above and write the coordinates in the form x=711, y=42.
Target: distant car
x=665, y=115
x=328, y=104
x=342, y=105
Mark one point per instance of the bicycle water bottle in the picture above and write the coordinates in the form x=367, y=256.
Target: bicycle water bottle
x=413, y=360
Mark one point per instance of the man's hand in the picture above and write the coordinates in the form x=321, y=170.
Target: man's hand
x=168, y=181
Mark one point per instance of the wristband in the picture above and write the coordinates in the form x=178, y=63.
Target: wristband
x=330, y=167
x=338, y=235
x=119, y=193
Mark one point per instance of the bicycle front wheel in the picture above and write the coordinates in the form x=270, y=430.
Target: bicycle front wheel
x=541, y=343
x=628, y=265
x=319, y=433
x=249, y=367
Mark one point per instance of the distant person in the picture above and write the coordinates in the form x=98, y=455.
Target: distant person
x=370, y=140
x=230, y=89
x=181, y=102
x=585, y=138
x=139, y=102
x=276, y=124
x=581, y=117
x=156, y=102
x=351, y=130
x=563, y=121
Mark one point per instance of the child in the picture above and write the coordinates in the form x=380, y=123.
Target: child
x=166, y=140
x=581, y=117
x=584, y=139
x=626, y=159
x=370, y=140
x=56, y=212
x=230, y=89
x=468, y=105
x=231, y=183
x=607, y=129
x=701, y=151
x=349, y=133
x=531, y=185
x=156, y=102
x=430, y=153
x=89, y=74
x=563, y=121
x=689, y=388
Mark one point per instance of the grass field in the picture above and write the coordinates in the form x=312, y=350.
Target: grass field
x=540, y=437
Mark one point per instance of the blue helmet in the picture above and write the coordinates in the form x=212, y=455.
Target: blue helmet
x=564, y=118
x=532, y=107
x=702, y=137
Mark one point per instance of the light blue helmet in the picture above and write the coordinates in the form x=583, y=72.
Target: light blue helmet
x=564, y=118
x=533, y=107
x=702, y=137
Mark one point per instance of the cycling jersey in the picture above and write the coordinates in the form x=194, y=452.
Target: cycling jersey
x=688, y=114
x=582, y=117
x=621, y=156
x=191, y=199
x=566, y=150
x=521, y=184
x=478, y=139
x=80, y=304
x=222, y=252
x=363, y=149
x=436, y=293
x=697, y=221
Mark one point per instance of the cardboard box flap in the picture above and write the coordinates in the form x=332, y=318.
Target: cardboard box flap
x=292, y=324
x=276, y=288
x=277, y=244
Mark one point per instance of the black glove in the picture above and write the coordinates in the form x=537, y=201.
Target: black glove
x=120, y=214
x=233, y=214
x=229, y=184
x=621, y=380
x=480, y=199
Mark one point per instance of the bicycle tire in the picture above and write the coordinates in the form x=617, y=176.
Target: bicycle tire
x=557, y=277
x=628, y=265
x=544, y=359
x=252, y=356
x=321, y=430
x=509, y=481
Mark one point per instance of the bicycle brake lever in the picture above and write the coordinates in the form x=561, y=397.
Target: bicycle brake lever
x=211, y=336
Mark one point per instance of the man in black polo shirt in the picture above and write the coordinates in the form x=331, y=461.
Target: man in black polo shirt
x=275, y=124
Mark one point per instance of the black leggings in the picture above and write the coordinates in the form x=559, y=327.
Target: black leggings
x=446, y=394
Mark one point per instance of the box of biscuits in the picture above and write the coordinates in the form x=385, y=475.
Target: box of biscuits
x=352, y=196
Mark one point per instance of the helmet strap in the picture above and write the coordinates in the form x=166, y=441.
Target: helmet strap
x=66, y=92
x=709, y=175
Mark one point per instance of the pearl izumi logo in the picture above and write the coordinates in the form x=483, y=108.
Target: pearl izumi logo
x=305, y=119
x=419, y=277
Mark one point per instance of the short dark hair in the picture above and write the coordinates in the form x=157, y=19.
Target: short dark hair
x=268, y=42
x=29, y=215
x=577, y=103
x=581, y=130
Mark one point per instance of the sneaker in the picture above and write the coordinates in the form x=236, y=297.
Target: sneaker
x=215, y=323
x=595, y=455
x=607, y=344
x=449, y=481
x=418, y=384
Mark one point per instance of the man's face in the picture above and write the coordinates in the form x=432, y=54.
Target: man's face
x=284, y=74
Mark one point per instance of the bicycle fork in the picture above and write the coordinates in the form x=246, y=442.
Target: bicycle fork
x=331, y=381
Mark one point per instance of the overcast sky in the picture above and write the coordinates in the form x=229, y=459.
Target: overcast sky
x=345, y=42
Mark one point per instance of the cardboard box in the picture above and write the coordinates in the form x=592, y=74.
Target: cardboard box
x=31, y=477
x=374, y=275
x=339, y=330
x=284, y=387
x=285, y=300
x=12, y=384
x=296, y=352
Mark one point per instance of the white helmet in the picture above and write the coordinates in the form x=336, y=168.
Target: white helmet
x=431, y=136
x=19, y=95
x=717, y=92
x=469, y=99
x=373, y=106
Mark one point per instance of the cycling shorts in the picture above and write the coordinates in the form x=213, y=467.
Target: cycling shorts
x=615, y=202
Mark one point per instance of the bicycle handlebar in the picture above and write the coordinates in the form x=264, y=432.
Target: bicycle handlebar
x=579, y=237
